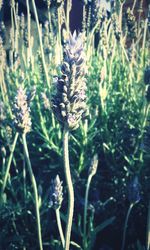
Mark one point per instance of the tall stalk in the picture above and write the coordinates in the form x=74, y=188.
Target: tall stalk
x=68, y=8
x=34, y=186
x=70, y=188
x=69, y=106
x=41, y=43
x=29, y=33
x=60, y=227
x=92, y=172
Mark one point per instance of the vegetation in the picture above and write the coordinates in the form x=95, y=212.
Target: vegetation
x=74, y=130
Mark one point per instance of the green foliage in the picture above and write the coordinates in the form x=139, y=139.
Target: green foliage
x=115, y=129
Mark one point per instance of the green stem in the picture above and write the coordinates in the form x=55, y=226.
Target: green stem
x=60, y=227
x=134, y=3
x=126, y=225
x=33, y=181
x=8, y=165
x=70, y=188
x=144, y=41
x=85, y=211
x=41, y=44
x=68, y=16
x=29, y=35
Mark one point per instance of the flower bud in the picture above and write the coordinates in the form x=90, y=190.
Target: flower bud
x=21, y=111
x=56, y=193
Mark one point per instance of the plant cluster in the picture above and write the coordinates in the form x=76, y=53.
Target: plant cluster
x=74, y=128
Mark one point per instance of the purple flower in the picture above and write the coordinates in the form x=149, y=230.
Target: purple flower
x=69, y=99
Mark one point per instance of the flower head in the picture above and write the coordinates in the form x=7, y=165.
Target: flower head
x=56, y=193
x=21, y=110
x=69, y=101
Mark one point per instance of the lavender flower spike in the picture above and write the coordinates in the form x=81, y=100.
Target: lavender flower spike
x=69, y=101
x=21, y=110
x=56, y=193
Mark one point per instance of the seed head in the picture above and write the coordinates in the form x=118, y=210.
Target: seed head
x=56, y=193
x=131, y=23
x=116, y=29
x=69, y=101
x=21, y=110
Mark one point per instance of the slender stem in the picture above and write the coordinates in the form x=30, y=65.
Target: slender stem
x=49, y=18
x=120, y=16
x=41, y=44
x=13, y=30
x=29, y=35
x=68, y=15
x=59, y=35
x=8, y=165
x=134, y=3
x=144, y=40
x=34, y=185
x=60, y=227
x=24, y=179
x=126, y=225
x=70, y=189
x=84, y=19
x=85, y=211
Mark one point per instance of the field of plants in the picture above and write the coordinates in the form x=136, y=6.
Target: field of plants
x=74, y=128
